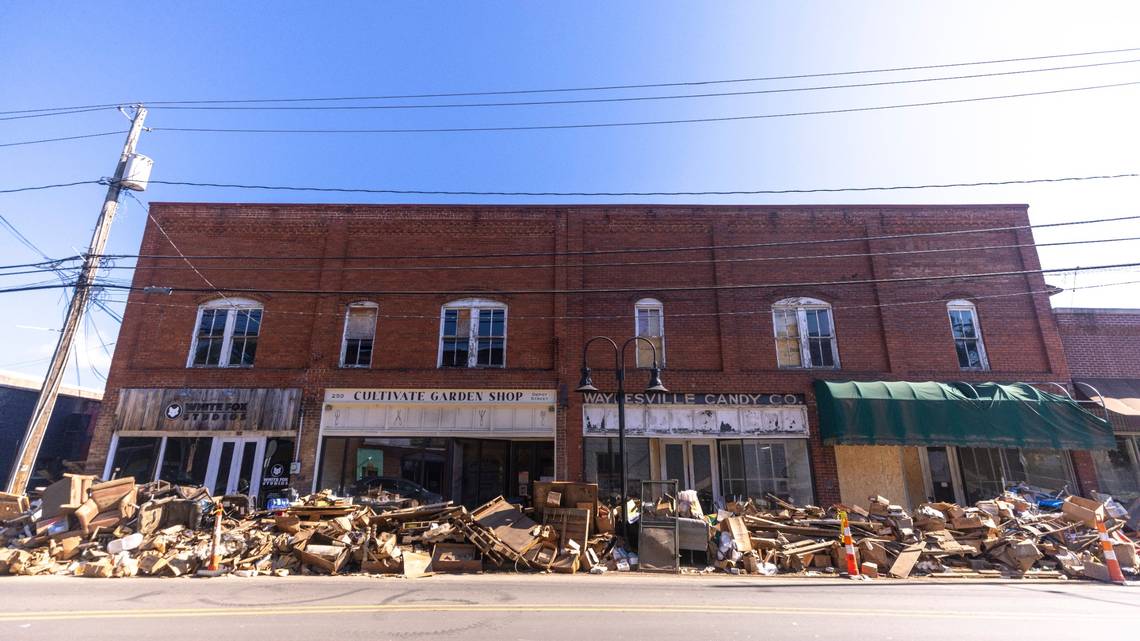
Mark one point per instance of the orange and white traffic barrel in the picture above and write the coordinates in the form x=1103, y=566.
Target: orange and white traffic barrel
x=1115, y=575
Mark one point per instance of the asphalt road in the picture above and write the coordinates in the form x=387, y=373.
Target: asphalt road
x=555, y=607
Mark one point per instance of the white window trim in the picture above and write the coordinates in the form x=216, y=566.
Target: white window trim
x=650, y=304
x=236, y=304
x=965, y=305
x=474, y=304
x=801, y=307
x=344, y=333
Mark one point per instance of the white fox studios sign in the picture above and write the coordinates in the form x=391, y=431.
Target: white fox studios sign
x=710, y=415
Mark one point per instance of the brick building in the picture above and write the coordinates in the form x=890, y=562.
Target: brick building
x=68, y=433
x=441, y=344
x=1102, y=347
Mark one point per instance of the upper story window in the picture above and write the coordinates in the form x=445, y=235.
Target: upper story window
x=967, y=335
x=473, y=333
x=649, y=322
x=359, y=335
x=226, y=334
x=805, y=333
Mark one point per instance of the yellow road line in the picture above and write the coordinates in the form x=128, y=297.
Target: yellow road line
x=254, y=611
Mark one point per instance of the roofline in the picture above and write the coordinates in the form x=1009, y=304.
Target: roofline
x=17, y=380
x=604, y=205
x=1097, y=310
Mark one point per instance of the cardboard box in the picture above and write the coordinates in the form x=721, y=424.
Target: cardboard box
x=1081, y=510
x=325, y=558
x=739, y=531
x=455, y=557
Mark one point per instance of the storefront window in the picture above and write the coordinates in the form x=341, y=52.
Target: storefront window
x=484, y=470
x=988, y=471
x=184, y=460
x=603, y=465
x=754, y=468
x=1118, y=471
x=136, y=456
x=357, y=465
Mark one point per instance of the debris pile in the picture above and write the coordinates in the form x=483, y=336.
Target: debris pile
x=84, y=527
x=1005, y=537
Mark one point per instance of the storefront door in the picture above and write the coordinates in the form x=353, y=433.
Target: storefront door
x=235, y=466
x=693, y=464
x=942, y=483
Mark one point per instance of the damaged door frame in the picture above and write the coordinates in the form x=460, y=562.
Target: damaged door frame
x=955, y=473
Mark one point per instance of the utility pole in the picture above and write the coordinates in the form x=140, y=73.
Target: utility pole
x=41, y=415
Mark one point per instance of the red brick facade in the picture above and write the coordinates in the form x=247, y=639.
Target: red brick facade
x=1100, y=343
x=718, y=338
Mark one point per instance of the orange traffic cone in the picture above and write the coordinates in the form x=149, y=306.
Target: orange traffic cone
x=1114, y=573
x=849, y=546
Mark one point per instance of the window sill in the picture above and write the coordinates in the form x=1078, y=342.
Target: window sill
x=794, y=368
x=343, y=366
x=219, y=367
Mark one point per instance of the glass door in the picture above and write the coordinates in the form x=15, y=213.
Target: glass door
x=693, y=464
x=235, y=466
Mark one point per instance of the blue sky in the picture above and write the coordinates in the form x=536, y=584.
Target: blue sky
x=64, y=53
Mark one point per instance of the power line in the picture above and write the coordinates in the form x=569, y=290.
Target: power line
x=735, y=192
x=172, y=244
x=43, y=263
x=514, y=316
x=699, y=261
x=675, y=121
x=645, y=250
x=60, y=113
x=580, y=101
x=624, y=290
x=583, y=88
x=43, y=140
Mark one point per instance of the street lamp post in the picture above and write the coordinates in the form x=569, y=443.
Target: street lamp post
x=586, y=384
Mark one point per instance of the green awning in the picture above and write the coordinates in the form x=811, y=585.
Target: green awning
x=978, y=415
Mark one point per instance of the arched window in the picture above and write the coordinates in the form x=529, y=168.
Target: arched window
x=473, y=333
x=226, y=333
x=967, y=335
x=805, y=333
x=359, y=335
x=649, y=322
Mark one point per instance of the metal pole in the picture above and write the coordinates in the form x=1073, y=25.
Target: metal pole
x=41, y=415
x=620, y=374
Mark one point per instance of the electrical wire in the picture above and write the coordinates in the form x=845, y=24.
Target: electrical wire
x=642, y=123
x=56, y=113
x=580, y=101
x=43, y=140
x=625, y=290
x=646, y=250
x=146, y=208
x=700, y=261
x=611, y=87
x=515, y=316
x=735, y=192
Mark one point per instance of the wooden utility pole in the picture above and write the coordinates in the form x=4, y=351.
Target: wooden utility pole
x=41, y=415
